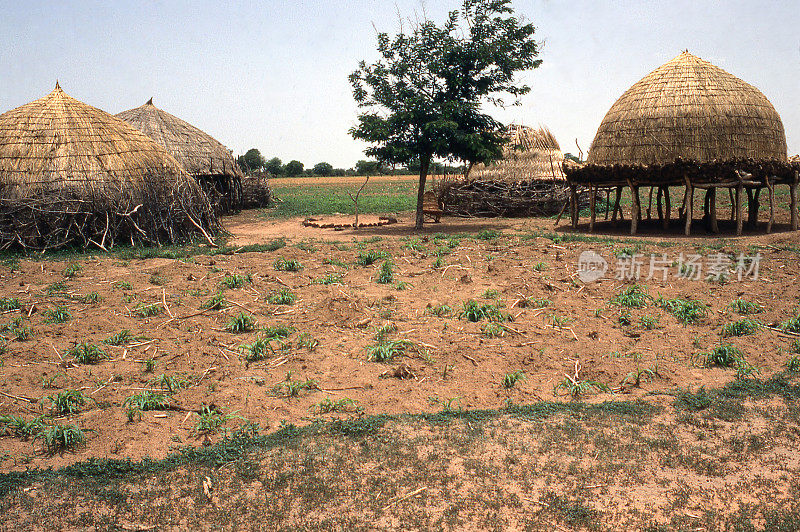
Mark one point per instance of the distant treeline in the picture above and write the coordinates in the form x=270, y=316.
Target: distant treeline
x=253, y=162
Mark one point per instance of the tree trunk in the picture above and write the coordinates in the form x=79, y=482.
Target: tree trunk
x=425, y=163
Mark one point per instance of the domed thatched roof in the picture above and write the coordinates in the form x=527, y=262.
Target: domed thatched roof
x=530, y=154
x=64, y=163
x=200, y=153
x=691, y=109
x=58, y=142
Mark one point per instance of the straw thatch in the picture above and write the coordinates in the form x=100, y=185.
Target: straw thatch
x=203, y=156
x=71, y=174
x=689, y=109
x=530, y=154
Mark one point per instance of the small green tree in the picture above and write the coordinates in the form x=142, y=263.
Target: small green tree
x=323, y=169
x=274, y=166
x=368, y=167
x=423, y=98
x=251, y=161
x=293, y=169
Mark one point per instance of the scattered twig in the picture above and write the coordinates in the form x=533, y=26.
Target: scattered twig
x=401, y=499
x=469, y=358
x=19, y=397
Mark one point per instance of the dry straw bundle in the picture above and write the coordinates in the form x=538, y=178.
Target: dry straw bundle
x=530, y=154
x=689, y=109
x=71, y=174
x=203, y=156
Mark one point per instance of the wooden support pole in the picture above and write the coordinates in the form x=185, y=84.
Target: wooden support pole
x=667, y=208
x=616, y=206
x=689, y=211
x=712, y=210
x=659, y=208
x=636, y=211
x=771, y=188
x=682, y=208
x=753, y=206
x=793, y=202
x=733, y=204
x=650, y=204
x=608, y=200
x=574, y=206
x=706, y=205
x=739, y=217
x=592, y=206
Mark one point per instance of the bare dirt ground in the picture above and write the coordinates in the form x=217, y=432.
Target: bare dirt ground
x=479, y=473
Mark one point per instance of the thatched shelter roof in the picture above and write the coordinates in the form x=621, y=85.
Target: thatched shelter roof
x=71, y=173
x=200, y=153
x=693, y=110
x=530, y=154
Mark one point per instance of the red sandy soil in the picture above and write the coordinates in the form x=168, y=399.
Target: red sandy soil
x=451, y=357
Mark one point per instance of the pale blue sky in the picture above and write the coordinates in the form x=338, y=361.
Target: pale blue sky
x=274, y=74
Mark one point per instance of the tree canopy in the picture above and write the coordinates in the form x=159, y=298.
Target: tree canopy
x=293, y=169
x=423, y=99
x=274, y=166
x=323, y=169
x=251, y=161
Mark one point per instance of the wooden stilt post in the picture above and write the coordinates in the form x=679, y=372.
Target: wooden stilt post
x=667, y=208
x=771, y=188
x=574, y=206
x=733, y=204
x=750, y=204
x=793, y=202
x=616, y=206
x=608, y=200
x=659, y=208
x=650, y=204
x=592, y=206
x=682, y=208
x=689, y=211
x=739, y=217
x=712, y=210
x=636, y=212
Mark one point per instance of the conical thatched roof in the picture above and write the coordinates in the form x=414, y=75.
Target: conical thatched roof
x=691, y=109
x=199, y=152
x=65, y=166
x=530, y=154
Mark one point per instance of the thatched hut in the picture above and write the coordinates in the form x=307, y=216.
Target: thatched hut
x=71, y=174
x=211, y=163
x=529, y=154
x=527, y=180
x=690, y=124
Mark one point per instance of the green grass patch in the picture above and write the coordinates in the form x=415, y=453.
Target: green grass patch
x=633, y=296
x=741, y=327
x=687, y=311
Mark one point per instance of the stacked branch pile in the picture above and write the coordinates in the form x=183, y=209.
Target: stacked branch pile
x=527, y=180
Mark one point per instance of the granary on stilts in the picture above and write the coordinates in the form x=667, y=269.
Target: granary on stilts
x=527, y=180
x=692, y=125
x=204, y=157
x=73, y=175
